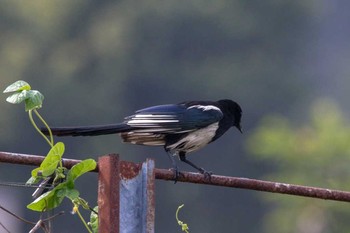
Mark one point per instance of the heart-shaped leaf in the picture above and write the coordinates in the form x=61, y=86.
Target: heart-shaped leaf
x=80, y=168
x=34, y=100
x=20, y=85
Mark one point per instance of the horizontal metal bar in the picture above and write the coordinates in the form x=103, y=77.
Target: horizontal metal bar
x=258, y=185
x=233, y=182
x=34, y=160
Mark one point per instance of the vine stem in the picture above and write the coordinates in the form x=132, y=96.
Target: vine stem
x=177, y=212
x=82, y=219
x=50, y=142
x=183, y=225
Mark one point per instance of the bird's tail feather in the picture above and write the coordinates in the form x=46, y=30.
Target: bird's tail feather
x=88, y=130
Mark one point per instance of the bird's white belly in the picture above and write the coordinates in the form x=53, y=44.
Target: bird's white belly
x=195, y=140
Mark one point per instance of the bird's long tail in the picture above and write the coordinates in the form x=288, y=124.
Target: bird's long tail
x=88, y=130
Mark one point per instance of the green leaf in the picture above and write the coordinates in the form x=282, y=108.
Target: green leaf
x=34, y=100
x=80, y=168
x=18, y=86
x=53, y=198
x=17, y=98
x=62, y=192
x=49, y=165
x=35, y=172
x=49, y=200
x=33, y=180
x=94, y=220
x=72, y=193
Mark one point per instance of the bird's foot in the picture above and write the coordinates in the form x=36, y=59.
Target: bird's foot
x=176, y=174
x=207, y=174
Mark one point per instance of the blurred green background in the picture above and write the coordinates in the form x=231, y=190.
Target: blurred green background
x=285, y=62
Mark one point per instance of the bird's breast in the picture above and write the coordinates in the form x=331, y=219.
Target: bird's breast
x=195, y=140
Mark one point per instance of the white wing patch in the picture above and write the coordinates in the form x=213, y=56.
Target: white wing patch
x=205, y=107
x=150, y=120
x=149, y=129
x=143, y=138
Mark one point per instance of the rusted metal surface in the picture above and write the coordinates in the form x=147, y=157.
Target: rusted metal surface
x=108, y=194
x=34, y=160
x=150, y=194
x=24, y=159
x=137, y=197
x=253, y=184
x=131, y=170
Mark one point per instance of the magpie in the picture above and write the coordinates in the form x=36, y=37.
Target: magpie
x=180, y=128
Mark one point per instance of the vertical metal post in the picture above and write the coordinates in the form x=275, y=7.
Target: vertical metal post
x=137, y=197
x=126, y=196
x=150, y=193
x=108, y=194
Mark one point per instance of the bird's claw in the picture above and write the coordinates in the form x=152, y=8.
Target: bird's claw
x=176, y=174
x=207, y=174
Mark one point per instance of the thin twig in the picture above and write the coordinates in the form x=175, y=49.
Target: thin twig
x=41, y=223
x=16, y=216
x=53, y=216
x=37, y=226
x=4, y=228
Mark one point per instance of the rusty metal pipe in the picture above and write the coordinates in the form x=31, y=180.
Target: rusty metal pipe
x=233, y=182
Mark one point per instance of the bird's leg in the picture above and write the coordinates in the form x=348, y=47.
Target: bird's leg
x=183, y=158
x=173, y=162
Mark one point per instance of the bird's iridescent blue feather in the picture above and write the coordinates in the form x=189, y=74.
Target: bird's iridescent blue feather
x=175, y=117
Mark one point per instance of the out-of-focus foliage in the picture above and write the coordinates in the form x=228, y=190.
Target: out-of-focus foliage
x=317, y=154
x=98, y=61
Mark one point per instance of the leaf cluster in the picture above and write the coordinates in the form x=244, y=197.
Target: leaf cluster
x=21, y=91
x=51, y=168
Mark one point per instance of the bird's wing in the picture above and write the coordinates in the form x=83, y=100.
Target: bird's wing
x=151, y=125
x=174, y=118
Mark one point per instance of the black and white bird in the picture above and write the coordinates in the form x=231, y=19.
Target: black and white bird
x=179, y=128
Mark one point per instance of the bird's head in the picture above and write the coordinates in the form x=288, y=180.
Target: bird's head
x=232, y=110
